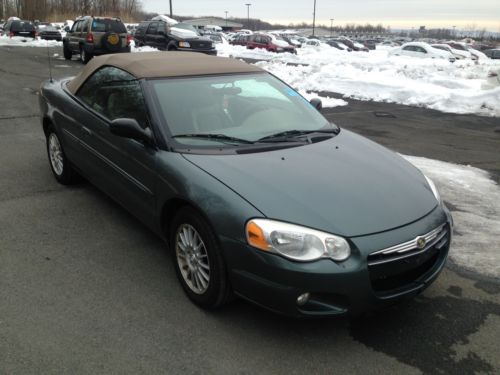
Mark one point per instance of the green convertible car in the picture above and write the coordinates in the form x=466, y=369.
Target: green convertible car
x=255, y=192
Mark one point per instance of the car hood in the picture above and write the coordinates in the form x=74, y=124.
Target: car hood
x=347, y=185
x=182, y=33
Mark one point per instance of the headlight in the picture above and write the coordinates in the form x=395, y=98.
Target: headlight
x=433, y=188
x=295, y=242
x=184, y=45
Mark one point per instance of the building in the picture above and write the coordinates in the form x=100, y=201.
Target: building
x=226, y=25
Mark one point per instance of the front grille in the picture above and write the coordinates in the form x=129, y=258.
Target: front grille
x=409, y=248
x=201, y=45
x=399, y=267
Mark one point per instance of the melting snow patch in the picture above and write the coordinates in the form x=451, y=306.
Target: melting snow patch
x=476, y=212
x=326, y=100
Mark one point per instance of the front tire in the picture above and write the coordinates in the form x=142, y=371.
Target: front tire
x=59, y=163
x=198, y=260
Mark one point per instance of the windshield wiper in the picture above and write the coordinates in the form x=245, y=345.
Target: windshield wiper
x=216, y=137
x=288, y=135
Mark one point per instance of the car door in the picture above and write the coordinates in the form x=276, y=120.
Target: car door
x=122, y=167
x=261, y=42
x=152, y=35
x=74, y=36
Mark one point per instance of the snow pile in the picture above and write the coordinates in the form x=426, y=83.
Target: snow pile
x=133, y=48
x=27, y=42
x=326, y=101
x=460, y=87
x=476, y=212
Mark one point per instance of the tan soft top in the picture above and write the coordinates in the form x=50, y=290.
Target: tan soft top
x=162, y=64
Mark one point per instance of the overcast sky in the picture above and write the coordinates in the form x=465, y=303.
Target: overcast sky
x=394, y=13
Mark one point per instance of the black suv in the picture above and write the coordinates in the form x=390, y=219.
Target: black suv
x=178, y=37
x=20, y=28
x=91, y=36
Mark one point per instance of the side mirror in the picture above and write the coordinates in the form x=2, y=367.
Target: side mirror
x=316, y=103
x=130, y=128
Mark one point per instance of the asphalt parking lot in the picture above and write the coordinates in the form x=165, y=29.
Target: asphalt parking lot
x=85, y=288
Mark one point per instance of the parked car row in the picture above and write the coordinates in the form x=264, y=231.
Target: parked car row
x=92, y=36
x=268, y=41
x=16, y=27
x=168, y=36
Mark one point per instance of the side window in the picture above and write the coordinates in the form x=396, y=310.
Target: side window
x=408, y=48
x=153, y=28
x=114, y=94
x=85, y=26
x=75, y=25
x=420, y=49
x=79, y=26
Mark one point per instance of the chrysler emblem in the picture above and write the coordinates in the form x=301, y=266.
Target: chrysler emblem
x=421, y=242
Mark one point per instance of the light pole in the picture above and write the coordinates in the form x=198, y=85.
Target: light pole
x=248, y=15
x=454, y=33
x=331, y=27
x=171, y=15
x=314, y=16
x=226, y=17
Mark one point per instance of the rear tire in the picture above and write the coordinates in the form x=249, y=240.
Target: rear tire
x=198, y=260
x=67, y=52
x=84, y=56
x=59, y=164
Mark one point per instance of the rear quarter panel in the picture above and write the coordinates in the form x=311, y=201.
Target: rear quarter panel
x=57, y=108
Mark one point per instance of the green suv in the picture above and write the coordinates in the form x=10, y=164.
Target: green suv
x=91, y=36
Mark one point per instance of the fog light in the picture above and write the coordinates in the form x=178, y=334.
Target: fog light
x=302, y=299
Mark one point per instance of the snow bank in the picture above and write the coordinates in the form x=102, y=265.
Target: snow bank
x=476, y=211
x=133, y=48
x=460, y=87
x=27, y=42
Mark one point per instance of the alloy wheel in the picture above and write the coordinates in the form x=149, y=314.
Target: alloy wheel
x=192, y=258
x=56, y=154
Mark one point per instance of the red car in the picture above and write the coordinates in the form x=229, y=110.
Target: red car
x=269, y=42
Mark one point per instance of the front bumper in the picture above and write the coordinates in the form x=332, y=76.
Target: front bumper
x=349, y=287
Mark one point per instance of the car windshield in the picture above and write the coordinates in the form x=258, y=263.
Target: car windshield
x=107, y=25
x=247, y=107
